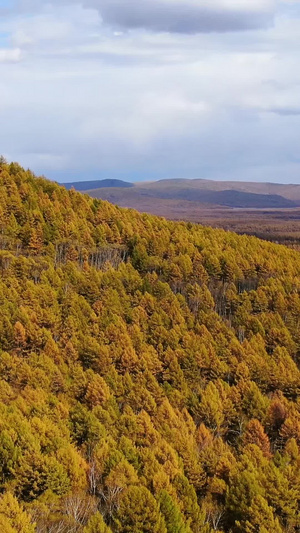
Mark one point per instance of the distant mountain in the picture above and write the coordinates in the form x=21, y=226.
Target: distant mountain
x=97, y=184
x=228, y=198
x=202, y=192
x=289, y=191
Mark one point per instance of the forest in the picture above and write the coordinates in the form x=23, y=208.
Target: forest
x=149, y=370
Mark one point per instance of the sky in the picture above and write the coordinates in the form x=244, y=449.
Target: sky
x=151, y=89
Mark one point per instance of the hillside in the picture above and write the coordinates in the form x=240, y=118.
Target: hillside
x=231, y=198
x=199, y=191
x=149, y=370
x=266, y=210
x=97, y=184
x=289, y=191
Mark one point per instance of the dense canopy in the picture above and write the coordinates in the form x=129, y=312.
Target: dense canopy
x=149, y=370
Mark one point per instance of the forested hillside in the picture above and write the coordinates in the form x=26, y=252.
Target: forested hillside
x=149, y=371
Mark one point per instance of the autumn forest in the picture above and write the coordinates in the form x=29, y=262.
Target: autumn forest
x=149, y=370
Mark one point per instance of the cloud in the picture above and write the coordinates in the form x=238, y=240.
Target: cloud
x=287, y=111
x=186, y=16
x=81, y=98
x=10, y=55
x=40, y=28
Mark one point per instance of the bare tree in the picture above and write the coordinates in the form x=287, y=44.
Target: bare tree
x=215, y=517
x=110, y=497
x=80, y=507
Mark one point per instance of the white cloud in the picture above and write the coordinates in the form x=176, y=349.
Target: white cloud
x=81, y=99
x=40, y=28
x=10, y=55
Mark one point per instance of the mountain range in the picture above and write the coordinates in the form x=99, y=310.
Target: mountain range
x=188, y=194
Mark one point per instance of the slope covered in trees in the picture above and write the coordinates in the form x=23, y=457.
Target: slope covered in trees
x=149, y=370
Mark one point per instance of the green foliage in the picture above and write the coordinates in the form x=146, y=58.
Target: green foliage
x=96, y=524
x=173, y=518
x=139, y=513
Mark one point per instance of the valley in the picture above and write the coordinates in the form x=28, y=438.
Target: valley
x=246, y=207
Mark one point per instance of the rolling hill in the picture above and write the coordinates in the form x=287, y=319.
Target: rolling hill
x=203, y=192
x=97, y=184
x=267, y=210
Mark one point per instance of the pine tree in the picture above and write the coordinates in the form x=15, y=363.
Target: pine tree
x=13, y=517
x=139, y=513
x=173, y=518
x=255, y=434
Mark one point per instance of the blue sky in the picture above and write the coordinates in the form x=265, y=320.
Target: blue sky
x=151, y=89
